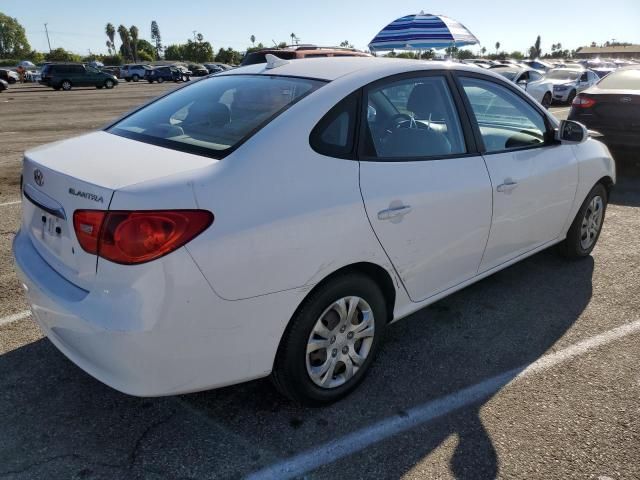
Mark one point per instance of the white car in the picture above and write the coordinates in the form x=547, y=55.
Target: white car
x=530, y=80
x=274, y=219
x=569, y=82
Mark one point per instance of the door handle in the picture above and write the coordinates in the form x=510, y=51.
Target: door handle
x=395, y=212
x=507, y=186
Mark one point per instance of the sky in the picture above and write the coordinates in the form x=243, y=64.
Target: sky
x=79, y=25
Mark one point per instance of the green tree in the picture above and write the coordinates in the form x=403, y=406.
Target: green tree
x=465, y=54
x=517, y=55
x=146, y=51
x=229, y=56
x=346, y=44
x=536, y=51
x=125, y=48
x=61, y=55
x=133, y=31
x=155, y=36
x=13, y=39
x=198, y=51
x=174, y=52
x=110, y=30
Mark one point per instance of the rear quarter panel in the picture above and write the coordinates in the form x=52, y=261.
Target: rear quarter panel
x=285, y=216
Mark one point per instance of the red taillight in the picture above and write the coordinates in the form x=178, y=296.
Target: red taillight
x=87, y=224
x=582, y=101
x=131, y=237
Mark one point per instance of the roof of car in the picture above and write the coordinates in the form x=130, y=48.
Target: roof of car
x=331, y=68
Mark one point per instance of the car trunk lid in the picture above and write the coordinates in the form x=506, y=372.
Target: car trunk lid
x=83, y=173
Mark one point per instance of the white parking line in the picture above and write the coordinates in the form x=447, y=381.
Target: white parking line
x=6, y=204
x=15, y=317
x=558, y=110
x=360, y=439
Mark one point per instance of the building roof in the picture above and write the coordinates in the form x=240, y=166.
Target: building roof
x=610, y=50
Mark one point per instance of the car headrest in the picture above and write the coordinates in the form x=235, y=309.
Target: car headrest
x=425, y=101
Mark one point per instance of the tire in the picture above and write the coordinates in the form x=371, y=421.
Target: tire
x=571, y=96
x=546, y=100
x=66, y=85
x=135, y=77
x=127, y=79
x=109, y=84
x=585, y=229
x=11, y=80
x=160, y=79
x=293, y=365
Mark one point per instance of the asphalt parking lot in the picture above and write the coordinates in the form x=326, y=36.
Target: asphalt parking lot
x=530, y=373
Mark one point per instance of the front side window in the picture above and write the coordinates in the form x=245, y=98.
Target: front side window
x=412, y=118
x=506, y=121
x=215, y=114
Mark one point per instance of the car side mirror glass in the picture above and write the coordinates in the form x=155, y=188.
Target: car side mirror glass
x=572, y=132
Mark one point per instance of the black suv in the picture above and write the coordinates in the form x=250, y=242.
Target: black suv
x=68, y=75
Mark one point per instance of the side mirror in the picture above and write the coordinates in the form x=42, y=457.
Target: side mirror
x=523, y=84
x=572, y=132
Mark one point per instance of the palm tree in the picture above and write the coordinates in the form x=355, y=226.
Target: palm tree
x=124, y=38
x=497, y=47
x=253, y=40
x=110, y=30
x=294, y=39
x=484, y=50
x=133, y=31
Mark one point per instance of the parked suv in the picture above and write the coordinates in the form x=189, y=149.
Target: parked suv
x=69, y=75
x=301, y=51
x=160, y=74
x=133, y=72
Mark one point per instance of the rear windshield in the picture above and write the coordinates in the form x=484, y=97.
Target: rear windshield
x=563, y=74
x=216, y=114
x=621, y=80
x=508, y=74
x=259, y=57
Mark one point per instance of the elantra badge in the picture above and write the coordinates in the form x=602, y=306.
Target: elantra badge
x=87, y=195
x=38, y=177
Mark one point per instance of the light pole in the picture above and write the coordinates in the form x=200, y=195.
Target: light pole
x=48, y=41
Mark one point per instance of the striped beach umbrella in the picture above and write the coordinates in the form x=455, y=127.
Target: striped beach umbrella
x=421, y=32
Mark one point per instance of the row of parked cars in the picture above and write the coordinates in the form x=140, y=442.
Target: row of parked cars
x=547, y=83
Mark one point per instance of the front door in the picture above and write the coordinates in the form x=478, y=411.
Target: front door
x=428, y=198
x=534, y=178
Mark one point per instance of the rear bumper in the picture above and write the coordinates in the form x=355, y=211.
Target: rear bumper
x=167, y=333
x=613, y=137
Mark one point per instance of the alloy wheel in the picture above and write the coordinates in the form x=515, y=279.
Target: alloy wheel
x=340, y=342
x=591, y=222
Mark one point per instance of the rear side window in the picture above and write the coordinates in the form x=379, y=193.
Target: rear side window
x=334, y=134
x=621, y=80
x=213, y=116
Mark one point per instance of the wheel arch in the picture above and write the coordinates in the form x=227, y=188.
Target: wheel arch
x=608, y=183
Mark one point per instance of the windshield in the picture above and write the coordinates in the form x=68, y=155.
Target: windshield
x=216, y=114
x=563, y=75
x=508, y=74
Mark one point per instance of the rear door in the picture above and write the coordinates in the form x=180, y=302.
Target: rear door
x=534, y=178
x=426, y=192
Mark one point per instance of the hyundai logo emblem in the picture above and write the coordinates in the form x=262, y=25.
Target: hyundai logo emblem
x=38, y=177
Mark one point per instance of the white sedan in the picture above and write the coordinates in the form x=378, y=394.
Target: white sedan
x=530, y=80
x=274, y=219
x=569, y=82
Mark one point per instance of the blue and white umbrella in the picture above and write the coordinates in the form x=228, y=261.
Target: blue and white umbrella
x=421, y=32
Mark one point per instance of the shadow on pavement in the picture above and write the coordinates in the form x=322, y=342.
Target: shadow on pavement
x=627, y=189
x=57, y=422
